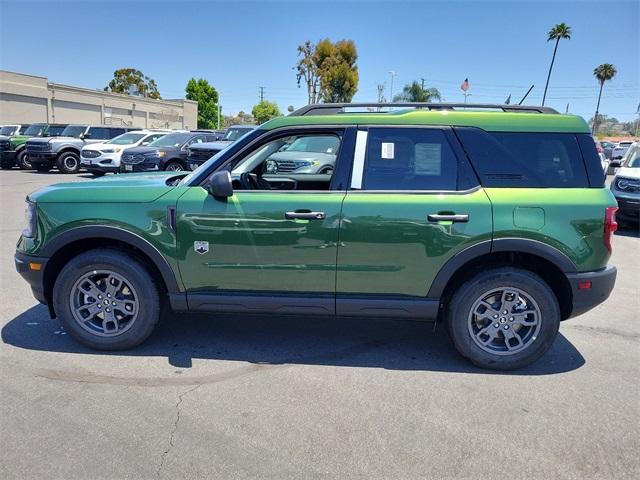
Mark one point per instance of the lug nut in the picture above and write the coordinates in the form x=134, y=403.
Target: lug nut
x=496, y=325
x=511, y=319
x=506, y=327
x=495, y=316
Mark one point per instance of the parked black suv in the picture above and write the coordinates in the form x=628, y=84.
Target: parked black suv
x=166, y=153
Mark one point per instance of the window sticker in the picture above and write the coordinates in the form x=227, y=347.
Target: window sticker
x=388, y=150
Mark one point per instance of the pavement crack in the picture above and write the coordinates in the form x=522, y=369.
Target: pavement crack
x=174, y=428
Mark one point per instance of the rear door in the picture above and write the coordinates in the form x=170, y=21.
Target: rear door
x=413, y=203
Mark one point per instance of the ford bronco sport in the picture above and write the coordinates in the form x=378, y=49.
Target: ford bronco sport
x=493, y=219
x=13, y=149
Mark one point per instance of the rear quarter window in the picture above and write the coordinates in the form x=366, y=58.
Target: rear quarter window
x=527, y=159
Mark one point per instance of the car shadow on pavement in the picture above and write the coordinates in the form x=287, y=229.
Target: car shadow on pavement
x=280, y=340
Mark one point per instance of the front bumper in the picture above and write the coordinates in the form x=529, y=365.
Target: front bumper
x=31, y=268
x=628, y=208
x=107, y=162
x=600, y=284
x=42, y=157
x=140, y=167
x=8, y=157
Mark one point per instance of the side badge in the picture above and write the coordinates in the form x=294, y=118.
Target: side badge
x=201, y=247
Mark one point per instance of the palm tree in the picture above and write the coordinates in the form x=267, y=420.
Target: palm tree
x=415, y=92
x=603, y=72
x=559, y=32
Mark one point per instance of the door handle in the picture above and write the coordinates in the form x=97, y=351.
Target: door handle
x=304, y=215
x=437, y=217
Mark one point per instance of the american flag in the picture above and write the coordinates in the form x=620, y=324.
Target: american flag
x=465, y=85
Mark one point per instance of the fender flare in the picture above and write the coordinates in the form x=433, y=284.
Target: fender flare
x=101, y=232
x=519, y=245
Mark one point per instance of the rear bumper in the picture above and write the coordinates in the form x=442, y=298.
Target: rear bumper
x=601, y=284
x=628, y=208
x=34, y=277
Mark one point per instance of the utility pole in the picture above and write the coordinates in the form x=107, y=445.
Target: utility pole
x=261, y=94
x=422, y=83
x=393, y=75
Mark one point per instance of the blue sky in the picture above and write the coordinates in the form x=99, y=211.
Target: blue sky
x=238, y=46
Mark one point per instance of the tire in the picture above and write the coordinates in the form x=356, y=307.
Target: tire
x=23, y=161
x=42, y=167
x=173, y=167
x=68, y=162
x=84, y=285
x=471, y=323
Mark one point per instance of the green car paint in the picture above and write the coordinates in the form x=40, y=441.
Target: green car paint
x=368, y=243
x=489, y=121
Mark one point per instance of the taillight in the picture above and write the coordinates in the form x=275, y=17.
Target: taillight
x=610, y=226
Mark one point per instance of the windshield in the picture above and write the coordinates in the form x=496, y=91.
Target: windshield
x=171, y=140
x=74, y=130
x=634, y=159
x=212, y=161
x=8, y=130
x=127, y=138
x=35, y=129
x=234, y=134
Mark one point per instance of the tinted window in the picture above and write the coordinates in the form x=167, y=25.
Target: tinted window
x=409, y=159
x=35, y=129
x=100, y=133
x=171, y=140
x=74, y=131
x=534, y=160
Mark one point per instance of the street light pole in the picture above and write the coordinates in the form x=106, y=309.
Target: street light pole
x=393, y=75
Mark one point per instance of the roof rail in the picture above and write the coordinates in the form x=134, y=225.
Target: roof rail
x=335, y=108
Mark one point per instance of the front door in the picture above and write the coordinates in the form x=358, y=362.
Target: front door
x=273, y=244
x=413, y=203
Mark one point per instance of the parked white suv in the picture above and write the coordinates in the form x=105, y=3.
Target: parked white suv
x=100, y=158
x=626, y=186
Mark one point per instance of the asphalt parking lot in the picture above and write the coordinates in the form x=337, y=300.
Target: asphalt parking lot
x=268, y=397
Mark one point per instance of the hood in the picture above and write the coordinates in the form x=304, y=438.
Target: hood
x=304, y=156
x=100, y=146
x=130, y=188
x=628, y=172
x=54, y=139
x=4, y=137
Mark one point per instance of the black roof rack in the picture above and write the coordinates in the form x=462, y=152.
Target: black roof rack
x=334, y=108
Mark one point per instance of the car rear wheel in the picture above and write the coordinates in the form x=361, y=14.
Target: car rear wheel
x=504, y=318
x=68, y=162
x=106, y=300
x=173, y=167
x=23, y=161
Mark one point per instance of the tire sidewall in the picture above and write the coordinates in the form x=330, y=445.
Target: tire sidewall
x=61, y=162
x=22, y=161
x=528, y=282
x=173, y=162
x=133, y=271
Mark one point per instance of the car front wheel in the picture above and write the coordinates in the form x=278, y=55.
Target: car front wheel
x=503, y=319
x=23, y=160
x=68, y=162
x=106, y=300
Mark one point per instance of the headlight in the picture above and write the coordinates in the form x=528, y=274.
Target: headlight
x=108, y=150
x=30, y=216
x=162, y=154
x=47, y=146
x=622, y=184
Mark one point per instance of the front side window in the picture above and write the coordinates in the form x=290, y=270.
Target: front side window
x=633, y=161
x=409, y=159
x=283, y=163
x=55, y=130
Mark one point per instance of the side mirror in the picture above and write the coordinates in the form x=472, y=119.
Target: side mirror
x=84, y=136
x=219, y=184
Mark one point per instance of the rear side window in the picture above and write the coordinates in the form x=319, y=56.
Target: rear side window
x=530, y=160
x=409, y=159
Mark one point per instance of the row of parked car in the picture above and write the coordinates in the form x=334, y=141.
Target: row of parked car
x=102, y=149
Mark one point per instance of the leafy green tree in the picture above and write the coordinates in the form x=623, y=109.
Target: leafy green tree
x=265, y=111
x=207, y=97
x=125, y=78
x=561, y=31
x=337, y=70
x=415, y=92
x=603, y=73
x=329, y=70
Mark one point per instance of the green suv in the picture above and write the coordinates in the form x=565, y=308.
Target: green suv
x=13, y=151
x=492, y=219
